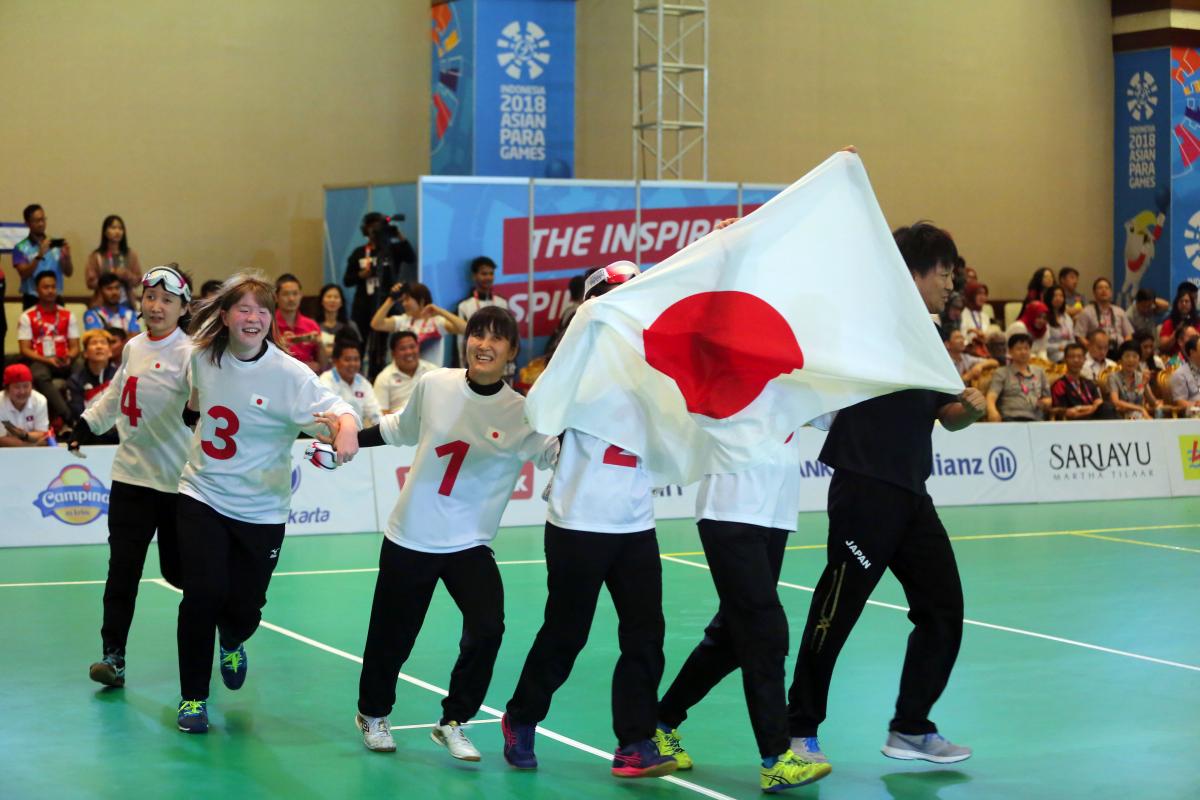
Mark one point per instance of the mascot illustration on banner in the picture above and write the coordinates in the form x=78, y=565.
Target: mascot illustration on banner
x=1141, y=234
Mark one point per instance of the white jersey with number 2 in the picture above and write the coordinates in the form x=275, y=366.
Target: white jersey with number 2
x=470, y=450
x=600, y=488
x=767, y=495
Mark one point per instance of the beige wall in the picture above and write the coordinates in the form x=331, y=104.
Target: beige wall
x=212, y=127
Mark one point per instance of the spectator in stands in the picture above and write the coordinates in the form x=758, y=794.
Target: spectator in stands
x=1019, y=391
x=114, y=256
x=1033, y=322
x=1143, y=314
x=1102, y=314
x=1180, y=338
x=1060, y=328
x=978, y=319
x=1185, y=381
x=960, y=274
x=1097, y=360
x=209, y=288
x=3, y=312
x=432, y=324
x=969, y=367
x=951, y=316
x=1043, y=279
x=370, y=269
x=396, y=382
x=116, y=342
x=1129, y=387
x=91, y=378
x=335, y=322
x=1068, y=278
x=1183, y=313
x=348, y=383
x=301, y=334
x=483, y=277
x=38, y=253
x=49, y=338
x=23, y=411
x=996, y=347
x=1079, y=396
x=108, y=310
x=1150, y=360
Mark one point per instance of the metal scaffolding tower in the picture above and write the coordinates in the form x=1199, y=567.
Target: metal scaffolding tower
x=670, y=89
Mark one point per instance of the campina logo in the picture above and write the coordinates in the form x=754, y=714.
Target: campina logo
x=75, y=496
x=1141, y=96
x=1189, y=455
x=527, y=51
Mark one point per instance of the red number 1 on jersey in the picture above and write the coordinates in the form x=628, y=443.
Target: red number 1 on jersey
x=457, y=451
x=129, y=405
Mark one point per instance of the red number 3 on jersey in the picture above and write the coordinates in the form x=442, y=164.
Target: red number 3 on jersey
x=224, y=435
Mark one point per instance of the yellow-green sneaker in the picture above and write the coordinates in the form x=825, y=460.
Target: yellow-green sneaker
x=791, y=771
x=668, y=744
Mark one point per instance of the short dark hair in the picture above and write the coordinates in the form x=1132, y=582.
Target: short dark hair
x=120, y=333
x=1190, y=345
x=1065, y=271
x=41, y=276
x=417, y=291
x=924, y=245
x=575, y=287
x=1100, y=280
x=107, y=279
x=369, y=219
x=287, y=277
x=1144, y=295
x=395, y=338
x=1073, y=346
x=497, y=321
x=1129, y=347
x=343, y=343
x=479, y=262
x=209, y=286
x=29, y=211
x=1019, y=338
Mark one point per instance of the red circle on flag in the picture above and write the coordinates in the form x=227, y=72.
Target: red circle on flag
x=495, y=434
x=259, y=401
x=721, y=349
x=156, y=365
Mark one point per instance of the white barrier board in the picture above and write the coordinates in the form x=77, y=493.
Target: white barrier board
x=1106, y=460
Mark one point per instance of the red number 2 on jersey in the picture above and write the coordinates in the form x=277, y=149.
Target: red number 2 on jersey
x=457, y=450
x=618, y=457
x=129, y=405
x=224, y=435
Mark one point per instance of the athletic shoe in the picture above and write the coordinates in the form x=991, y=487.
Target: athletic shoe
x=789, y=772
x=809, y=749
x=377, y=733
x=926, y=747
x=669, y=744
x=451, y=737
x=642, y=760
x=193, y=716
x=109, y=670
x=233, y=667
x=518, y=743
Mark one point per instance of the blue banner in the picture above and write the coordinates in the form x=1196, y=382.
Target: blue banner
x=452, y=116
x=1185, y=169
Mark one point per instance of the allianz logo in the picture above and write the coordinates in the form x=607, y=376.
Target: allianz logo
x=1000, y=463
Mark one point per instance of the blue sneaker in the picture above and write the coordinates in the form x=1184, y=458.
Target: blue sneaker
x=518, y=743
x=642, y=760
x=233, y=667
x=808, y=749
x=193, y=716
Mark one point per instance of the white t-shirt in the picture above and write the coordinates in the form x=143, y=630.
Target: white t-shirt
x=470, y=450
x=35, y=416
x=599, y=488
x=1092, y=368
x=431, y=336
x=145, y=401
x=983, y=319
x=250, y=413
x=359, y=395
x=393, y=387
x=767, y=495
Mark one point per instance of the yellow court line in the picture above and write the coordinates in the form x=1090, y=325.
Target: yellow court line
x=1137, y=541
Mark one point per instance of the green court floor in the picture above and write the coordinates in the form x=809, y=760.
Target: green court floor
x=1079, y=675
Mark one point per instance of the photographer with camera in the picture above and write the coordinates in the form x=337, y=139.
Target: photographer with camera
x=38, y=253
x=387, y=258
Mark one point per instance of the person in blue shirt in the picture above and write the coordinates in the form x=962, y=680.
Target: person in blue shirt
x=108, y=311
x=36, y=254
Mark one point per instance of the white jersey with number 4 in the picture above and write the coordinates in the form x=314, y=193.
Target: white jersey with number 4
x=767, y=495
x=598, y=487
x=145, y=400
x=470, y=450
x=250, y=413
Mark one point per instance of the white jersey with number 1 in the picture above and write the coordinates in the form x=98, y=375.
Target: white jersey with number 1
x=145, y=401
x=600, y=488
x=470, y=450
x=767, y=495
x=250, y=414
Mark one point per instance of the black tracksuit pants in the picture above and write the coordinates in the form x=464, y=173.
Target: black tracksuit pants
x=227, y=566
x=403, y=592
x=134, y=514
x=890, y=528
x=578, y=565
x=749, y=632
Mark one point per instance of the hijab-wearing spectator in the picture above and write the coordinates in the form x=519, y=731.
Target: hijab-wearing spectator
x=1183, y=313
x=1060, y=328
x=114, y=256
x=1033, y=321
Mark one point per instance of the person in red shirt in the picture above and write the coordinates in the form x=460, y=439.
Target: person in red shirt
x=301, y=334
x=48, y=335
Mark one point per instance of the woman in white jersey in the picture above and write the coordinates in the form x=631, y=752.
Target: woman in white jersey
x=599, y=532
x=472, y=439
x=145, y=401
x=744, y=520
x=251, y=400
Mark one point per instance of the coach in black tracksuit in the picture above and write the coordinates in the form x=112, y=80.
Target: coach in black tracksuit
x=881, y=517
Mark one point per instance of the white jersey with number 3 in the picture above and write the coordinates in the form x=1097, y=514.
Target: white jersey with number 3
x=470, y=450
x=767, y=495
x=145, y=401
x=250, y=413
x=600, y=488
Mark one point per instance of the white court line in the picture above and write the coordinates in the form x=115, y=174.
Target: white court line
x=434, y=725
x=977, y=623
x=549, y=734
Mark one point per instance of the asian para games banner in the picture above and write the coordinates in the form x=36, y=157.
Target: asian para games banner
x=1185, y=171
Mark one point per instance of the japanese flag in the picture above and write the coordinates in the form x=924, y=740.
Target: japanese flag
x=708, y=361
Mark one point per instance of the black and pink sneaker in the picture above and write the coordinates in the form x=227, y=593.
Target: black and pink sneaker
x=642, y=760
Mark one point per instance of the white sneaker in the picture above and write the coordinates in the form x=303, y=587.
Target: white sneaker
x=377, y=733
x=451, y=737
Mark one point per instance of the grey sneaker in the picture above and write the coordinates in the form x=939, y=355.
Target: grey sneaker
x=809, y=749
x=926, y=747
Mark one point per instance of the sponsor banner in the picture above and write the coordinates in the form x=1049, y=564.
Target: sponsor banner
x=452, y=87
x=1184, y=261
x=53, y=498
x=331, y=501
x=1181, y=442
x=1112, y=460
